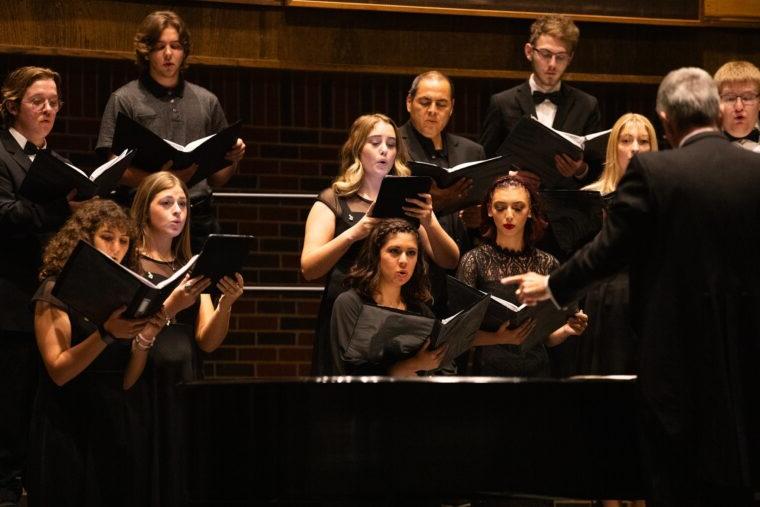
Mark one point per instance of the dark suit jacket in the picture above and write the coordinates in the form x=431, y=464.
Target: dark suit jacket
x=460, y=150
x=24, y=228
x=578, y=114
x=687, y=221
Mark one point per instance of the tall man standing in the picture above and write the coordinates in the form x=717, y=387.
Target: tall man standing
x=430, y=103
x=551, y=48
x=685, y=221
x=30, y=103
x=175, y=109
x=739, y=87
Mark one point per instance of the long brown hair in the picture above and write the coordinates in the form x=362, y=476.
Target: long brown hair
x=83, y=225
x=146, y=192
x=536, y=224
x=364, y=276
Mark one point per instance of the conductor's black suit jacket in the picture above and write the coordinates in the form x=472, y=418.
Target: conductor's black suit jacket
x=578, y=113
x=24, y=229
x=688, y=221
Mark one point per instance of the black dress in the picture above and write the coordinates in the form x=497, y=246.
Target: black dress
x=348, y=211
x=609, y=346
x=89, y=438
x=482, y=268
x=173, y=359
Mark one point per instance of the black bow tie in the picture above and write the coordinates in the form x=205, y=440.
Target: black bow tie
x=539, y=97
x=752, y=136
x=30, y=148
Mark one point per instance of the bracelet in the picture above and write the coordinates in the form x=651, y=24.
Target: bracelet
x=105, y=336
x=143, y=343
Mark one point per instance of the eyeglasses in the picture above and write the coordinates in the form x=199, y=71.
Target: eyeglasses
x=547, y=55
x=38, y=103
x=746, y=98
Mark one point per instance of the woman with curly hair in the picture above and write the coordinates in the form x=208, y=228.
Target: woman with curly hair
x=338, y=222
x=86, y=438
x=390, y=272
x=512, y=224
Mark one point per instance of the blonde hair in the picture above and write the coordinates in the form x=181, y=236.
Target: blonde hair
x=351, y=171
x=612, y=173
x=556, y=25
x=737, y=71
x=146, y=192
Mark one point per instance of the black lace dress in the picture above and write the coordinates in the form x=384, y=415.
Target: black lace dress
x=174, y=358
x=89, y=442
x=348, y=211
x=482, y=268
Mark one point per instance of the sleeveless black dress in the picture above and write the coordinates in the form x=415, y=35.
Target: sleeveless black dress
x=348, y=211
x=89, y=439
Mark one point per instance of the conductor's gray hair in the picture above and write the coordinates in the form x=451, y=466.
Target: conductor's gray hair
x=689, y=98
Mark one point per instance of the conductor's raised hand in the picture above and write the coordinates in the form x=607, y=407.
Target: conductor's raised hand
x=121, y=327
x=421, y=208
x=531, y=287
x=231, y=290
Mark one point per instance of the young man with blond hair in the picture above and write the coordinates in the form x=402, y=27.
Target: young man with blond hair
x=738, y=84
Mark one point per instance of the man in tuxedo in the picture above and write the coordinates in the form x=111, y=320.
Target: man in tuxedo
x=739, y=86
x=551, y=48
x=685, y=221
x=430, y=103
x=175, y=109
x=30, y=102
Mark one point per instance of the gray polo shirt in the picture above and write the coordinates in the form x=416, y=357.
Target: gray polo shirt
x=182, y=115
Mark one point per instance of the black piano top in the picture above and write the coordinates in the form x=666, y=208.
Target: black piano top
x=381, y=438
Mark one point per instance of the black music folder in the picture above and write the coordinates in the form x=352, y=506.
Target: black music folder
x=481, y=172
x=95, y=285
x=222, y=255
x=503, y=307
x=575, y=216
x=50, y=178
x=389, y=335
x=394, y=190
x=153, y=151
x=532, y=146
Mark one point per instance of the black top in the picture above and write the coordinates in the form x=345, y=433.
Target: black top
x=347, y=359
x=483, y=267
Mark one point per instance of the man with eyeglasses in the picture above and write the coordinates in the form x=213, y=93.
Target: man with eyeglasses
x=739, y=85
x=30, y=103
x=551, y=48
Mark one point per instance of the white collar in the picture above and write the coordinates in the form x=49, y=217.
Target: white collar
x=21, y=139
x=535, y=87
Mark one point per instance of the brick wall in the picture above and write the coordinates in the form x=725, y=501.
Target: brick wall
x=294, y=124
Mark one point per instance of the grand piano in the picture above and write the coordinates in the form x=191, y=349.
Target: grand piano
x=375, y=439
